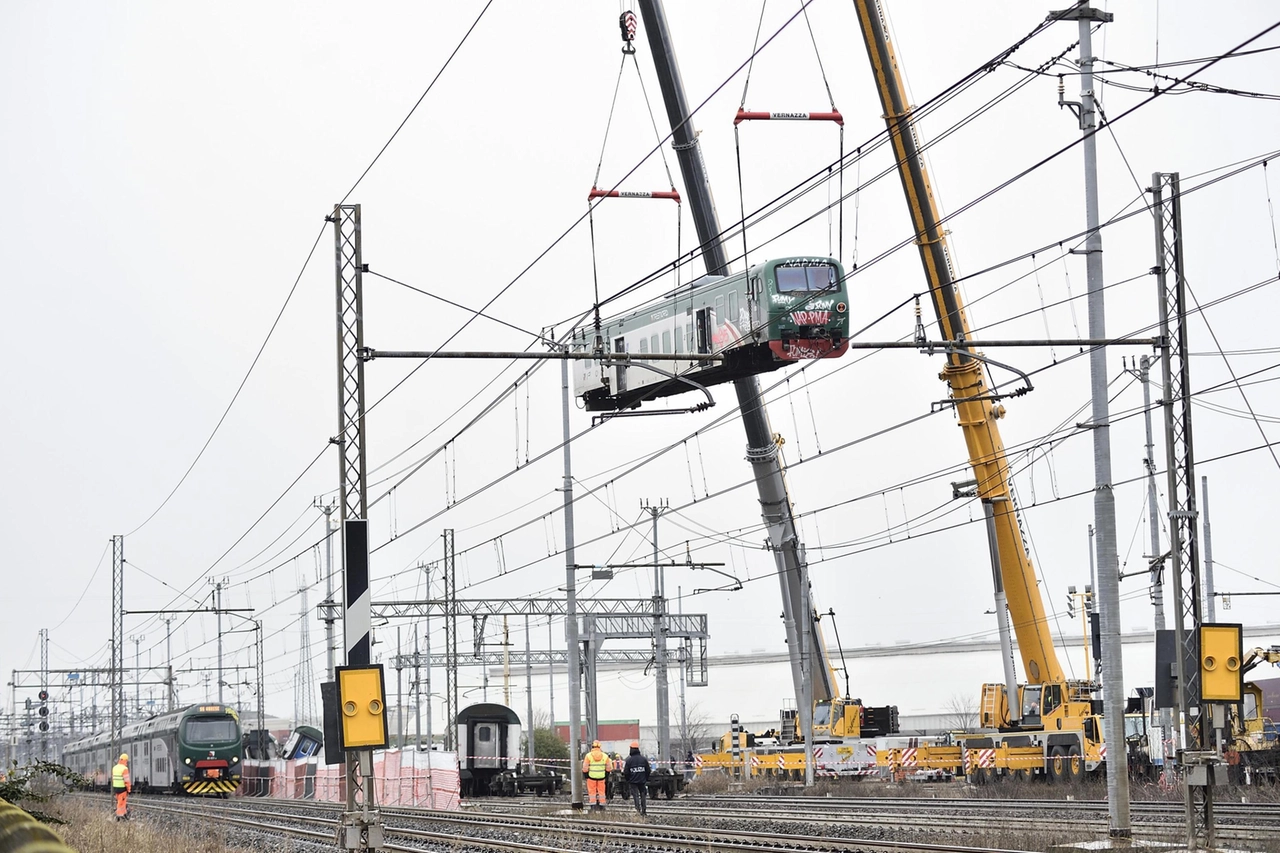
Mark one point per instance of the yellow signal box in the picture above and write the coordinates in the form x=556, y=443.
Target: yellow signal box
x=362, y=703
x=1221, y=656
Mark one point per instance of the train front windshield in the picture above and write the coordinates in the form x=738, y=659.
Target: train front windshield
x=806, y=279
x=211, y=730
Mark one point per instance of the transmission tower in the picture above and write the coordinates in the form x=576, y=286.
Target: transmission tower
x=304, y=680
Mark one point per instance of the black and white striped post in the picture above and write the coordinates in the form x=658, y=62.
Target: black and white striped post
x=362, y=824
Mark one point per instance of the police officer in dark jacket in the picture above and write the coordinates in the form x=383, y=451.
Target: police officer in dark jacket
x=636, y=771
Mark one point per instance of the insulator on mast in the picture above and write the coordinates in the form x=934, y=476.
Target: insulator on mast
x=627, y=22
x=664, y=194
x=749, y=115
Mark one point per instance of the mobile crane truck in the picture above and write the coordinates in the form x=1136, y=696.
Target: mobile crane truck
x=1254, y=748
x=1050, y=726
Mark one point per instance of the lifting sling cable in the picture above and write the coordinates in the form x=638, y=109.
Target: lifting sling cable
x=743, y=114
x=627, y=23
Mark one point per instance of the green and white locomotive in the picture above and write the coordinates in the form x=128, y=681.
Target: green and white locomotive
x=197, y=750
x=777, y=312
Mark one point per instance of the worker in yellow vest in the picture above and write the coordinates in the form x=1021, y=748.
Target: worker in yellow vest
x=596, y=767
x=121, y=785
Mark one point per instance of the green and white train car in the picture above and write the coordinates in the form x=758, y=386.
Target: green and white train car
x=197, y=750
x=777, y=312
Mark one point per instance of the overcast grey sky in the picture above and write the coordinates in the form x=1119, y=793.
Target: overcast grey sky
x=167, y=167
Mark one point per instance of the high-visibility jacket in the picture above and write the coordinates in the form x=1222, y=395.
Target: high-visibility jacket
x=596, y=764
x=120, y=777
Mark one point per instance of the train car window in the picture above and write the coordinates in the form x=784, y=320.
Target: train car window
x=704, y=330
x=210, y=730
x=805, y=278
x=653, y=344
x=666, y=342
x=644, y=346
x=733, y=306
x=719, y=309
x=484, y=734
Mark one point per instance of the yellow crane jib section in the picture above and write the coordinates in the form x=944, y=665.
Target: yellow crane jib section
x=22, y=833
x=1221, y=661
x=362, y=702
x=964, y=374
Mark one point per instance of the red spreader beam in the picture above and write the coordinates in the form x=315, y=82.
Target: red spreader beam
x=747, y=115
x=595, y=193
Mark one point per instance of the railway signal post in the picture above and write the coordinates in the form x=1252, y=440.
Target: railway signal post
x=361, y=821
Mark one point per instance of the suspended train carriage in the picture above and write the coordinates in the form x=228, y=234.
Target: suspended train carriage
x=777, y=312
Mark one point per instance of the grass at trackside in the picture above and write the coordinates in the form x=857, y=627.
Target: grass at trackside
x=91, y=827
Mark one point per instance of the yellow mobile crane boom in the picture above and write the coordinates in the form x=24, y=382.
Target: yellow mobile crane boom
x=1049, y=727
x=964, y=373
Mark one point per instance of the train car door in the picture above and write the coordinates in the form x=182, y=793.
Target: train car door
x=702, y=329
x=486, y=747
x=620, y=380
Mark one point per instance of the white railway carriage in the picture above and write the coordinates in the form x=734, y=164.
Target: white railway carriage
x=489, y=746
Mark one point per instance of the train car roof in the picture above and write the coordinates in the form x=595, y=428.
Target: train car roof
x=488, y=710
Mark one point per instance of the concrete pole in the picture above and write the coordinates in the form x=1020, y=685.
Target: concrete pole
x=684, y=665
x=551, y=674
x=168, y=656
x=137, y=676
x=399, y=690
x=417, y=691
x=506, y=663
x=1153, y=515
x=426, y=635
x=571, y=605
x=660, y=647
x=1209, y=615
x=528, y=694
x=217, y=606
x=1104, y=508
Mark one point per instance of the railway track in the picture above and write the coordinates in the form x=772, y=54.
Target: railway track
x=416, y=830
x=1251, y=824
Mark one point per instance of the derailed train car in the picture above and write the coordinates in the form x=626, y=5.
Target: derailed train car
x=197, y=750
x=777, y=312
x=489, y=755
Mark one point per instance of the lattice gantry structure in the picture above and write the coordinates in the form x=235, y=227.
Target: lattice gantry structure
x=349, y=268
x=1198, y=755
x=117, y=640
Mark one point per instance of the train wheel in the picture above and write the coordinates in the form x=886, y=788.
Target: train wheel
x=1075, y=765
x=1056, y=765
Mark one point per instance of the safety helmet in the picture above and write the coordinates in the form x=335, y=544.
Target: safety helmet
x=635, y=744
x=595, y=743
x=124, y=756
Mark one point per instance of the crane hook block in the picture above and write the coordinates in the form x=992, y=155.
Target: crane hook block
x=748, y=115
x=627, y=23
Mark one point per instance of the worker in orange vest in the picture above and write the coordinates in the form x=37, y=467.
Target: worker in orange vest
x=121, y=785
x=595, y=766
